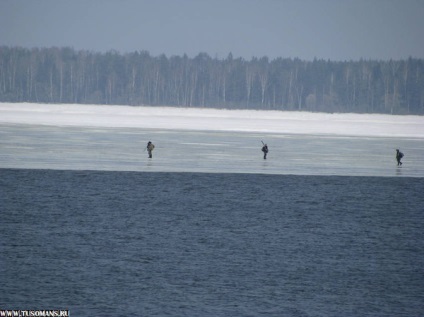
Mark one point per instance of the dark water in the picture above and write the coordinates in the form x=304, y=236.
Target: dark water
x=187, y=244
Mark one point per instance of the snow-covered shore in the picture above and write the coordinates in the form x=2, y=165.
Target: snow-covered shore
x=212, y=119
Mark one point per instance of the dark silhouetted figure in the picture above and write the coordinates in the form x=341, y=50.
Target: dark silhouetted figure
x=399, y=156
x=265, y=150
x=150, y=147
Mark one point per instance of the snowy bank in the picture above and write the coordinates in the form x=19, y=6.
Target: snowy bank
x=212, y=119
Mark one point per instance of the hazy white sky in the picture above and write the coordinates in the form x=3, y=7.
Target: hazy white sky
x=328, y=29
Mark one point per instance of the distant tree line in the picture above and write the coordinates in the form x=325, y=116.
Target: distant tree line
x=64, y=75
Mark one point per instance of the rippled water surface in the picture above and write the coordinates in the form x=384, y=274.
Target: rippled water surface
x=104, y=243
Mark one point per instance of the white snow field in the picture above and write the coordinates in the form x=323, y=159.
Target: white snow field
x=212, y=119
x=113, y=138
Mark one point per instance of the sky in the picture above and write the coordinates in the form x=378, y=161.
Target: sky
x=336, y=30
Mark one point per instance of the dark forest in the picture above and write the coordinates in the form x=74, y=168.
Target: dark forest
x=65, y=75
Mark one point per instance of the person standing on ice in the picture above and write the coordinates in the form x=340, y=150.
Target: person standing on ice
x=265, y=150
x=399, y=156
x=150, y=147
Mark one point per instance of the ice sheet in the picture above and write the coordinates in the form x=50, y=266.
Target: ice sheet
x=123, y=149
x=81, y=137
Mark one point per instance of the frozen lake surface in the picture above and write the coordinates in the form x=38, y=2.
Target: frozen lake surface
x=123, y=149
x=113, y=138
